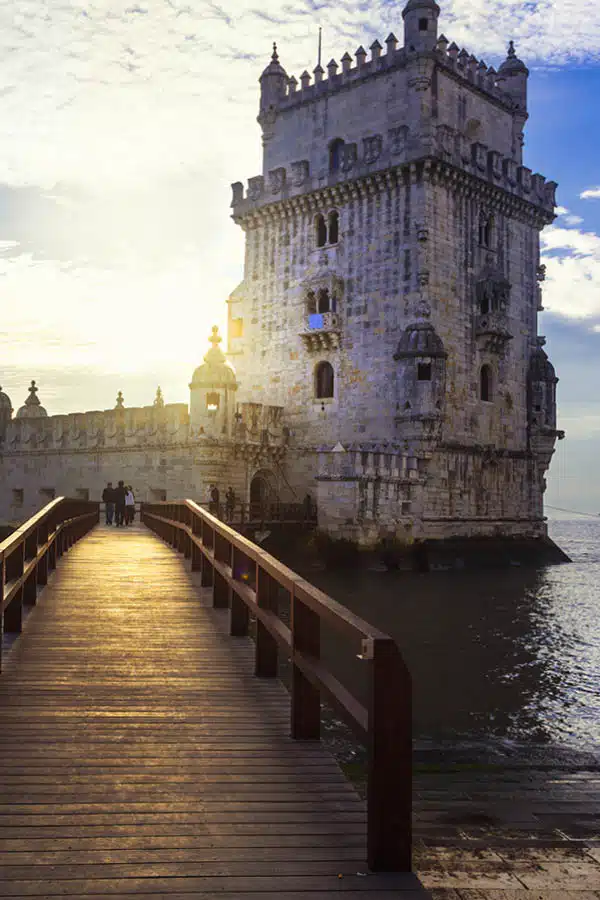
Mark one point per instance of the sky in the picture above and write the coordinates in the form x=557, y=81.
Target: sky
x=122, y=126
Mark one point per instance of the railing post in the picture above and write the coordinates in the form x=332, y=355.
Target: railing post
x=197, y=554
x=2, y=583
x=13, y=614
x=306, y=699
x=30, y=586
x=221, y=589
x=42, y=566
x=389, y=790
x=208, y=539
x=265, y=651
x=239, y=615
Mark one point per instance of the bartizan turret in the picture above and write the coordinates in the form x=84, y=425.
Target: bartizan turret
x=6, y=411
x=273, y=89
x=512, y=78
x=420, y=25
x=212, y=393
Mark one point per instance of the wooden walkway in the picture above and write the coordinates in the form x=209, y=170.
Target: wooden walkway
x=139, y=756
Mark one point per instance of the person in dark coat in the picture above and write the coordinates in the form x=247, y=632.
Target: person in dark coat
x=108, y=498
x=213, y=506
x=120, y=494
x=230, y=503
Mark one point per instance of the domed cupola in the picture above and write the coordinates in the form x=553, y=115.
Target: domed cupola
x=420, y=25
x=512, y=78
x=212, y=388
x=420, y=384
x=5, y=413
x=273, y=86
x=32, y=408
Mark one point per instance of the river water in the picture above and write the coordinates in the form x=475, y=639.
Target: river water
x=509, y=656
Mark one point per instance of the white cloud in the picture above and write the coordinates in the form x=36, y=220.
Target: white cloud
x=591, y=194
x=567, y=216
x=572, y=286
x=573, y=220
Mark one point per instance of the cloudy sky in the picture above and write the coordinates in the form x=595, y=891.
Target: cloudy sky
x=122, y=125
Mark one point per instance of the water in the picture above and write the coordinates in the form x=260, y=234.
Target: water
x=510, y=656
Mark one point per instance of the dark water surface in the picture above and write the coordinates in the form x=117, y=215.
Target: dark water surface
x=508, y=656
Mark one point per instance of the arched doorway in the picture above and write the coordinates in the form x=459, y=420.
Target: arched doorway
x=263, y=493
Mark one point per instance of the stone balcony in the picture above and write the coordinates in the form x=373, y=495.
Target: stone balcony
x=491, y=332
x=321, y=331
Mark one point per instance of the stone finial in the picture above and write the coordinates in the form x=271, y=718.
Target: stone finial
x=332, y=68
x=361, y=55
x=346, y=63
x=442, y=44
x=292, y=85
x=120, y=401
x=318, y=72
x=274, y=55
x=304, y=80
x=463, y=57
x=375, y=49
x=391, y=42
x=511, y=50
x=490, y=78
x=159, y=401
x=33, y=399
x=453, y=51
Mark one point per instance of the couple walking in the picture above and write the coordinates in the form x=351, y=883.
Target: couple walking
x=120, y=504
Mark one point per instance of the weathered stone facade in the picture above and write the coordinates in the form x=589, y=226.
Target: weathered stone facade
x=384, y=337
x=394, y=237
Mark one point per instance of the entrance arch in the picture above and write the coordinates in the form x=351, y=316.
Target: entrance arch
x=263, y=492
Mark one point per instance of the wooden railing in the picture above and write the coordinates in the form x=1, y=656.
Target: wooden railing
x=247, y=580
x=30, y=553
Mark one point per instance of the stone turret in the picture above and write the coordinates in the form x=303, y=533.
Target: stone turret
x=512, y=78
x=32, y=408
x=420, y=25
x=5, y=413
x=273, y=88
x=212, y=391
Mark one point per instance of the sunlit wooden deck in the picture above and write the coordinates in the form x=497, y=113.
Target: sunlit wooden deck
x=139, y=756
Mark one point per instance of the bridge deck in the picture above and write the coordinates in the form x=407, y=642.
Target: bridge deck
x=139, y=756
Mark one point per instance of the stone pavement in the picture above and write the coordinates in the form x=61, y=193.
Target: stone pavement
x=526, y=829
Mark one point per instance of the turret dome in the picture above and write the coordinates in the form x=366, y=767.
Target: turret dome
x=420, y=339
x=215, y=371
x=5, y=404
x=274, y=67
x=420, y=4
x=512, y=65
x=32, y=408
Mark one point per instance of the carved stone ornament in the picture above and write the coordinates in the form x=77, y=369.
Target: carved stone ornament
x=510, y=170
x=445, y=140
x=422, y=232
x=398, y=137
x=495, y=164
x=524, y=176
x=256, y=187
x=423, y=278
x=422, y=309
x=372, y=147
x=300, y=172
x=480, y=152
x=540, y=273
x=348, y=157
x=277, y=180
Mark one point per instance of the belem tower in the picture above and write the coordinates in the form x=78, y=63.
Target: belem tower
x=382, y=351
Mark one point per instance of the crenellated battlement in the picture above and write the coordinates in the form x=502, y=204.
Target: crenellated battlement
x=380, y=153
x=459, y=62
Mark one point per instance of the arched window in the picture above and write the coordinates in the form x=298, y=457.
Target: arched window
x=486, y=232
x=335, y=155
x=422, y=24
x=324, y=304
x=311, y=303
x=324, y=380
x=212, y=401
x=485, y=383
x=334, y=225
x=320, y=231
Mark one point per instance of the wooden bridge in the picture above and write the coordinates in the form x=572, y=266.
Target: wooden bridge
x=145, y=742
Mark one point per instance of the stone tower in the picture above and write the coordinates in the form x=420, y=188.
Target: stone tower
x=391, y=289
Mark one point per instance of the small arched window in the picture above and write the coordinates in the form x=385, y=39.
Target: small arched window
x=311, y=303
x=212, y=401
x=485, y=383
x=324, y=381
x=335, y=155
x=324, y=304
x=486, y=232
x=320, y=231
x=334, y=226
x=422, y=24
